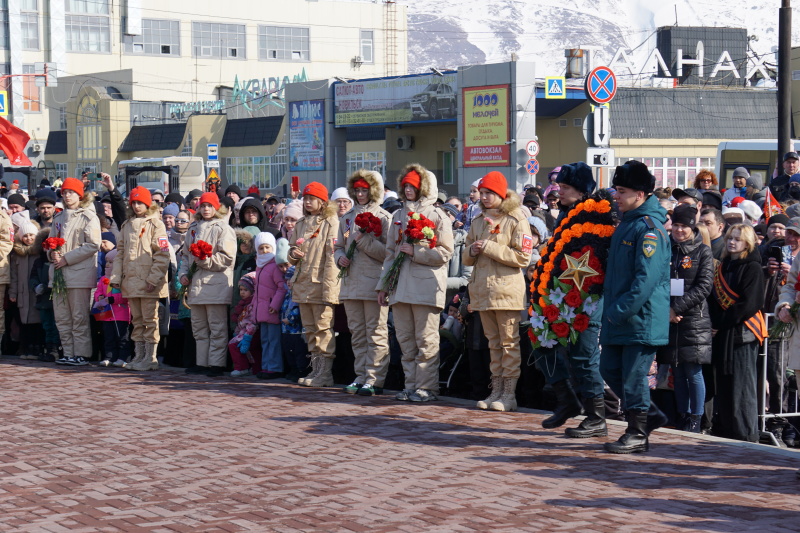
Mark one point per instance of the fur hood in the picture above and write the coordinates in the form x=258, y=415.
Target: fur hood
x=375, y=181
x=428, y=188
x=242, y=235
x=152, y=210
x=511, y=203
x=23, y=250
x=328, y=210
x=222, y=212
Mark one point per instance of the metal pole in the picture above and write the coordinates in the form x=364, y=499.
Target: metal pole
x=784, y=79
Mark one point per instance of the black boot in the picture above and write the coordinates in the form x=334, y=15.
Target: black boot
x=634, y=440
x=197, y=370
x=693, y=424
x=215, y=371
x=568, y=405
x=655, y=418
x=682, y=422
x=594, y=425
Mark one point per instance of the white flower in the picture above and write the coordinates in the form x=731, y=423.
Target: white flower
x=567, y=313
x=557, y=296
x=537, y=322
x=589, y=306
x=547, y=342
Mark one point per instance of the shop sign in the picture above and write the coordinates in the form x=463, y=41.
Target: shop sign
x=486, y=125
x=307, y=135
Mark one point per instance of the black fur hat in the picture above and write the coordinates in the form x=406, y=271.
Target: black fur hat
x=578, y=175
x=634, y=175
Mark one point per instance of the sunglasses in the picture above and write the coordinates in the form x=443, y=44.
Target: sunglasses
x=180, y=221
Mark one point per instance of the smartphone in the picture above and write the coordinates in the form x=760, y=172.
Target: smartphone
x=94, y=176
x=776, y=252
x=295, y=183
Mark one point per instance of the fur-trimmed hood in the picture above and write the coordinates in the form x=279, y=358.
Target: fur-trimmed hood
x=375, y=181
x=23, y=250
x=152, y=210
x=328, y=210
x=510, y=203
x=428, y=188
x=222, y=212
x=242, y=235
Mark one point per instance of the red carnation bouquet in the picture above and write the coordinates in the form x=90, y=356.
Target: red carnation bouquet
x=784, y=329
x=365, y=222
x=418, y=228
x=201, y=250
x=59, y=285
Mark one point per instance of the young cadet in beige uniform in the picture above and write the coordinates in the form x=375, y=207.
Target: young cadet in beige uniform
x=315, y=283
x=366, y=319
x=420, y=293
x=498, y=247
x=140, y=271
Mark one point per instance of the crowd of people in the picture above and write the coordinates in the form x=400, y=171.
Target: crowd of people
x=635, y=301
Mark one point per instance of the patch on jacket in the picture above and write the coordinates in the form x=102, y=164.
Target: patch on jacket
x=686, y=262
x=333, y=244
x=651, y=236
x=527, y=244
x=649, y=246
x=163, y=244
x=627, y=243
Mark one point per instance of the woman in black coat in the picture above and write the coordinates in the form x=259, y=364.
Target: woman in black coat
x=738, y=328
x=690, y=324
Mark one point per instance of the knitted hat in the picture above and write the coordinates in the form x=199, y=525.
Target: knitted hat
x=209, y=198
x=495, y=182
x=248, y=281
x=172, y=210
x=264, y=238
x=282, y=251
x=108, y=236
x=751, y=209
x=736, y=201
x=174, y=198
x=634, y=175
x=539, y=227
x=740, y=172
x=475, y=183
x=18, y=219
x=577, y=175
x=26, y=228
x=140, y=194
x=294, y=210
x=234, y=189
x=71, y=184
x=685, y=215
x=412, y=178
x=16, y=199
x=194, y=193
x=451, y=209
x=360, y=184
x=340, y=193
x=45, y=196
x=317, y=189
x=733, y=211
x=227, y=201
x=780, y=218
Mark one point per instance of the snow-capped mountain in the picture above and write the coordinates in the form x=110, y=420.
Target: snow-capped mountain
x=448, y=35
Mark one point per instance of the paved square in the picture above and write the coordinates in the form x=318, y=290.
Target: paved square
x=89, y=449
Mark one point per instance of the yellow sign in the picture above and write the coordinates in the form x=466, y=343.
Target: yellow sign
x=486, y=126
x=4, y=103
x=212, y=175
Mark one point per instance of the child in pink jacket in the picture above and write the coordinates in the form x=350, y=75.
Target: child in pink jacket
x=112, y=310
x=270, y=289
x=245, y=360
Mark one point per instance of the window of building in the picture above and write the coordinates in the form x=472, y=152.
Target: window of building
x=3, y=25
x=159, y=37
x=283, y=43
x=674, y=172
x=88, y=131
x=62, y=118
x=31, y=94
x=220, y=41
x=370, y=160
x=187, y=146
x=448, y=168
x=87, y=34
x=62, y=171
x=91, y=7
x=367, y=46
x=29, y=5
x=29, y=26
x=265, y=172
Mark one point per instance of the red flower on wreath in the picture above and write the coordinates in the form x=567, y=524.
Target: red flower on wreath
x=551, y=313
x=532, y=336
x=581, y=322
x=561, y=329
x=573, y=298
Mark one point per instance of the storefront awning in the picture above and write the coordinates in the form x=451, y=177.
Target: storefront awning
x=156, y=137
x=56, y=143
x=260, y=131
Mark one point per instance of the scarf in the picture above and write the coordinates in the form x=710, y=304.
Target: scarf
x=263, y=259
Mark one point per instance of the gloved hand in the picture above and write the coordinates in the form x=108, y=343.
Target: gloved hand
x=244, y=344
x=39, y=289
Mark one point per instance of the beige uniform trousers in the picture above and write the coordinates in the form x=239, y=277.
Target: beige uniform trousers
x=210, y=328
x=369, y=338
x=144, y=317
x=318, y=327
x=2, y=311
x=72, y=320
x=502, y=331
x=417, y=330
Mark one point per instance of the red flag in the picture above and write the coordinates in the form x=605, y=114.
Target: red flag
x=771, y=206
x=13, y=142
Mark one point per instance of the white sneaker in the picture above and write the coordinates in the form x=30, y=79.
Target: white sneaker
x=240, y=373
x=105, y=362
x=118, y=363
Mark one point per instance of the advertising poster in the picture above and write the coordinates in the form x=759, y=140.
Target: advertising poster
x=307, y=135
x=486, y=126
x=418, y=98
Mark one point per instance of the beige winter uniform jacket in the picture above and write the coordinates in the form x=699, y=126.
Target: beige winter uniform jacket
x=143, y=257
x=497, y=281
x=787, y=297
x=423, y=277
x=21, y=265
x=6, y=244
x=366, y=265
x=315, y=278
x=80, y=228
x=213, y=282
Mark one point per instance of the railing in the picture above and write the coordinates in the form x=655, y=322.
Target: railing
x=763, y=416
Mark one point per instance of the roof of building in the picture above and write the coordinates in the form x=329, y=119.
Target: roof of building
x=56, y=143
x=154, y=137
x=694, y=113
x=260, y=131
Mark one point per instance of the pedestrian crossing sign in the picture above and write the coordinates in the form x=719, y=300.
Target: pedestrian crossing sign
x=4, y=103
x=555, y=87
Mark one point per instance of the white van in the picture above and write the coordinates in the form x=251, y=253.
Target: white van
x=169, y=174
x=758, y=156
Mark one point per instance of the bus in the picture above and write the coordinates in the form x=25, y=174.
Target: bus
x=170, y=174
x=758, y=156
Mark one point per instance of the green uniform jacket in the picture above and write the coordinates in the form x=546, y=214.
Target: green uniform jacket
x=637, y=287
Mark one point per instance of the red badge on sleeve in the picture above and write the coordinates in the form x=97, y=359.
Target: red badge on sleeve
x=527, y=244
x=163, y=243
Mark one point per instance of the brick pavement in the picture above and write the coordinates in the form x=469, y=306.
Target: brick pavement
x=89, y=449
